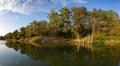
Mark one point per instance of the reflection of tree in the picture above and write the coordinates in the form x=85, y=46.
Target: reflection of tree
x=65, y=55
x=40, y=53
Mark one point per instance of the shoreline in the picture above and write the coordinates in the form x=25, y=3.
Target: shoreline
x=53, y=42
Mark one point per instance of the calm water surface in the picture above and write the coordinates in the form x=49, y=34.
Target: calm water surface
x=20, y=54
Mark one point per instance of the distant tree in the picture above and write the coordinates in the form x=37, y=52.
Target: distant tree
x=22, y=32
x=15, y=34
x=2, y=38
x=31, y=30
x=43, y=28
x=9, y=36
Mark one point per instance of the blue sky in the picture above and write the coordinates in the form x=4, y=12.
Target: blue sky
x=17, y=13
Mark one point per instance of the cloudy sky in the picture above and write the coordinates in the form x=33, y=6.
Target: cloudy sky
x=17, y=13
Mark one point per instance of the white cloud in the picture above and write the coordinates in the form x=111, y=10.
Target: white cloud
x=79, y=1
x=28, y=6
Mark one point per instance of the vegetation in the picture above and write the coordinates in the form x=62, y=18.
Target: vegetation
x=2, y=38
x=75, y=22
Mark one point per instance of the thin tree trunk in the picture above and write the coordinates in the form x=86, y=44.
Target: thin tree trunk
x=92, y=35
x=78, y=46
x=78, y=39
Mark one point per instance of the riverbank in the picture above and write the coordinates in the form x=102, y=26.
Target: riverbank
x=67, y=54
x=47, y=40
x=53, y=41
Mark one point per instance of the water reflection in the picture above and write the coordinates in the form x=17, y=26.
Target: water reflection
x=67, y=55
x=41, y=53
x=10, y=57
x=2, y=42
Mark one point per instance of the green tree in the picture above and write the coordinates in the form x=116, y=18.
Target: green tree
x=22, y=32
x=54, y=22
x=9, y=36
x=79, y=21
x=65, y=23
x=113, y=19
x=2, y=38
x=15, y=34
x=43, y=28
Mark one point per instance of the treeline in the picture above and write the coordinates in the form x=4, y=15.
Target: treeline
x=2, y=38
x=76, y=22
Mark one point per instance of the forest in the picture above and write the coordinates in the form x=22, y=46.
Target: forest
x=75, y=22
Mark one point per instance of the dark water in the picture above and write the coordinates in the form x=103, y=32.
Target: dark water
x=20, y=54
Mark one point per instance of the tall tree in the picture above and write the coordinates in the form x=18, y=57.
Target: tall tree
x=54, y=22
x=79, y=20
x=65, y=19
x=113, y=19
x=65, y=23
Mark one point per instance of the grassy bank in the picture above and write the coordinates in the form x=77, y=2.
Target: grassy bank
x=108, y=40
x=83, y=42
x=46, y=41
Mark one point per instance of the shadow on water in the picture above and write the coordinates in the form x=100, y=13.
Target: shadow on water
x=67, y=55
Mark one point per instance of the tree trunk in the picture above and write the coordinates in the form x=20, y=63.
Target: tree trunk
x=92, y=34
x=78, y=39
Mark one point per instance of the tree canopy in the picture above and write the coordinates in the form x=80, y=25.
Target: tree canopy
x=72, y=23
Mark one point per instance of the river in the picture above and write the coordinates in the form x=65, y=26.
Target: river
x=21, y=54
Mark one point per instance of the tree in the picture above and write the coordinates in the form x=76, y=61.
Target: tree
x=9, y=36
x=43, y=28
x=32, y=29
x=54, y=23
x=22, y=32
x=79, y=21
x=65, y=23
x=2, y=38
x=113, y=19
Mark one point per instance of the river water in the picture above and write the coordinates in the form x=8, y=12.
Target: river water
x=20, y=54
